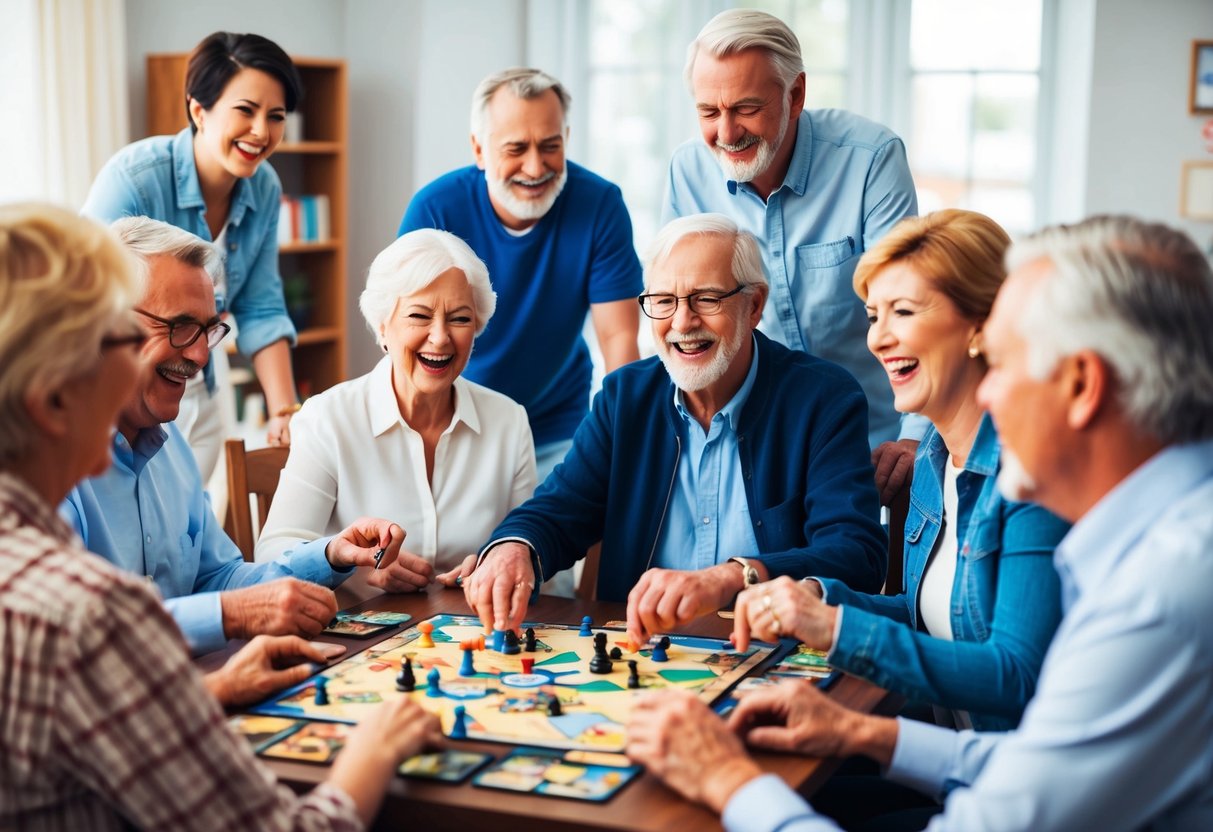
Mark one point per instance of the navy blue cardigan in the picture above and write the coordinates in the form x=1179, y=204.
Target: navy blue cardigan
x=803, y=445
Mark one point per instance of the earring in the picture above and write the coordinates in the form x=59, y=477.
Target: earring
x=384, y=347
x=974, y=351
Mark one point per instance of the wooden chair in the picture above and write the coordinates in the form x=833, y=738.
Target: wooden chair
x=898, y=509
x=250, y=473
x=587, y=584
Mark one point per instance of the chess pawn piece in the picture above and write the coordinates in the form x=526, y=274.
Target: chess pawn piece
x=601, y=663
x=322, y=690
x=406, y=681
x=433, y=687
x=554, y=708
x=530, y=640
x=585, y=627
x=633, y=675
x=459, y=730
x=659, y=650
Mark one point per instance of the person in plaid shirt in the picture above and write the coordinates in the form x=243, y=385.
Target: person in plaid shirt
x=104, y=721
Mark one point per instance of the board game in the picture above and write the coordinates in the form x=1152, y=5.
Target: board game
x=546, y=697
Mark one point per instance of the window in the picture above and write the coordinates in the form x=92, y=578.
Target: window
x=960, y=80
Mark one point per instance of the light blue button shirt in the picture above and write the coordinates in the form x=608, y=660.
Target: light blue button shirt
x=149, y=515
x=1118, y=735
x=848, y=184
x=708, y=519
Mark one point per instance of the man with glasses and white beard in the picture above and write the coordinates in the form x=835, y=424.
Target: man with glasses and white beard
x=816, y=187
x=723, y=461
x=557, y=241
x=148, y=513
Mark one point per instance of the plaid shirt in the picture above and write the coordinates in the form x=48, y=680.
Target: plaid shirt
x=104, y=721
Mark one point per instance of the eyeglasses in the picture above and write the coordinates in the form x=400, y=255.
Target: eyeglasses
x=660, y=307
x=182, y=334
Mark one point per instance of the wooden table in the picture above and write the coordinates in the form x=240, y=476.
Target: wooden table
x=641, y=805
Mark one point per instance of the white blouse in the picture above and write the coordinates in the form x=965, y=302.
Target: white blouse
x=352, y=455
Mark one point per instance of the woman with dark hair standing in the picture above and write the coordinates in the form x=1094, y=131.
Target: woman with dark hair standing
x=209, y=180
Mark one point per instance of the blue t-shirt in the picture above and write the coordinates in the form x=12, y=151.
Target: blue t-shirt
x=579, y=253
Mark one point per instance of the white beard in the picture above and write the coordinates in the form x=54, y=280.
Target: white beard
x=1014, y=481
x=748, y=171
x=691, y=379
x=526, y=209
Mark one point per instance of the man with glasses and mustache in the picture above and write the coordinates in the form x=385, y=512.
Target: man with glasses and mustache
x=816, y=187
x=725, y=460
x=557, y=241
x=148, y=513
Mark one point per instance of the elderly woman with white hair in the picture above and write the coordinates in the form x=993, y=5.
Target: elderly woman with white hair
x=411, y=441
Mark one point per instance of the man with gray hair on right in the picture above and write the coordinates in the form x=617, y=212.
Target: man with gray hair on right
x=816, y=187
x=557, y=241
x=1101, y=383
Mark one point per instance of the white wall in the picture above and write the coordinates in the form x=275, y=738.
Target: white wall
x=1140, y=129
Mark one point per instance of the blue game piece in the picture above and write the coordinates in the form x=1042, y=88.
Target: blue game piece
x=659, y=654
x=322, y=690
x=498, y=640
x=432, y=688
x=459, y=731
x=467, y=669
x=585, y=627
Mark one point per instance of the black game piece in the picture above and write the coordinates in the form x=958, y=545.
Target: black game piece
x=511, y=648
x=554, y=706
x=633, y=675
x=616, y=653
x=665, y=642
x=406, y=681
x=530, y=639
x=601, y=663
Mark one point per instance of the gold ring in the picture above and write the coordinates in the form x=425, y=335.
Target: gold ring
x=778, y=626
x=766, y=601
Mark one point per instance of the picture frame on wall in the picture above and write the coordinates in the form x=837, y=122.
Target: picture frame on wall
x=1200, y=93
x=1196, y=191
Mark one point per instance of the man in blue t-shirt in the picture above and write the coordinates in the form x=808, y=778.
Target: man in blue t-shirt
x=557, y=241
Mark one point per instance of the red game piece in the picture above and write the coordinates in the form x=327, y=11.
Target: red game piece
x=527, y=666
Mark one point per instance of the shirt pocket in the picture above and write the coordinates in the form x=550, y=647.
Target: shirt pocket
x=836, y=318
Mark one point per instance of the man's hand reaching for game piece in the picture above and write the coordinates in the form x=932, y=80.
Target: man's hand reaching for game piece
x=500, y=589
x=285, y=607
x=796, y=717
x=664, y=599
x=679, y=740
x=265, y=665
x=397, y=729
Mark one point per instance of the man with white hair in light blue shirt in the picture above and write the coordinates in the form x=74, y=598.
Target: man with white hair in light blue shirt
x=1101, y=384
x=816, y=187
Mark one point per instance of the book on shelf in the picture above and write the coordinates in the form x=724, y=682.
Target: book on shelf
x=304, y=219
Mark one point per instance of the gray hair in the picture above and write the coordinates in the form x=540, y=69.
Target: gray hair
x=147, y=238
x=524, y=83
x=747, y=266
x=413, y=262
x=1141, y=296
x=64, y=284
x=739, y=29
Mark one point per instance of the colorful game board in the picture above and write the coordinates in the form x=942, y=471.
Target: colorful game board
x=501, y=703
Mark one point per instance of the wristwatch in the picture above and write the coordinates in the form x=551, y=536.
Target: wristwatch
x=749, y=574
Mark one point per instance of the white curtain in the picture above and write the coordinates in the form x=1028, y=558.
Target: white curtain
x=64, y=97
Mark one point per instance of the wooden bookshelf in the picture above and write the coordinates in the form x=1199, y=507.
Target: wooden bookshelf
x=315, y=165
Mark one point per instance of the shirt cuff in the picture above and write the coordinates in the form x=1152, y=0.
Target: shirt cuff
x=307, y=562
x=837, y=631
x=925, y=756
x=200, y=618
x=765, y=804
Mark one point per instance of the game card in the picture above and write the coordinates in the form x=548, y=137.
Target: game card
x=344, y=625
x=389, y=619
x=446, y=766
x=263, y=731
x=316, y=742
x=556, y=774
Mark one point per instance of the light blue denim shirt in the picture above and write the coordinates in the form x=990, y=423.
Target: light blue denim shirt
x=1118, y=734
x=149, y=515
x=1006, y=602
x=848, y=184
x=709, y=497
x=156, y=178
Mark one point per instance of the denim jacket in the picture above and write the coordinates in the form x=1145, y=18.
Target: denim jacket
x=157, y=178
x=1005, y=598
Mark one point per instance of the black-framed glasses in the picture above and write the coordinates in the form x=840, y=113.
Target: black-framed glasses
x=660, y=307
x=183, y=333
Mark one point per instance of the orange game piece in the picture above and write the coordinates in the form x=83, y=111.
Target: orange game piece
x=633, y=647
x=425, y=640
